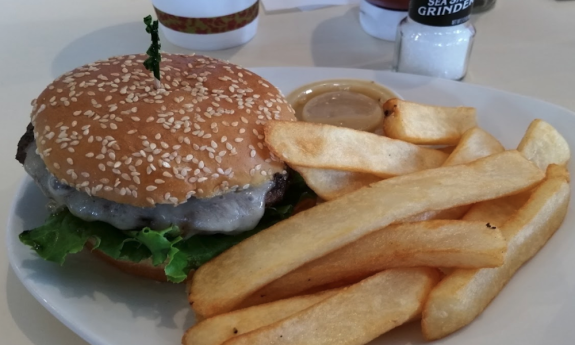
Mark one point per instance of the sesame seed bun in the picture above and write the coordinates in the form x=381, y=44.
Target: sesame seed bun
x=104, y=129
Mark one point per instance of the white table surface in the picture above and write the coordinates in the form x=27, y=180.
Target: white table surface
x=522, y=46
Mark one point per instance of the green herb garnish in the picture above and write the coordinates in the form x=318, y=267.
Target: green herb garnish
x=152, y=63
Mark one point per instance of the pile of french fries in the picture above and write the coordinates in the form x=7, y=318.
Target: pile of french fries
x=406, y=232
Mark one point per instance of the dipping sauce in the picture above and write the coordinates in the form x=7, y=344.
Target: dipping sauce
x=344, y=102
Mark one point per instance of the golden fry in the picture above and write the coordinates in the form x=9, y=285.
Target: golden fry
x=544, y=145
x=475, y=143
x=321, y=146
x=426, y=124
x=216, y=330
x=434, y=243
x=332, y=184
x=464, y=294
x=354, y=316
x=223, y=283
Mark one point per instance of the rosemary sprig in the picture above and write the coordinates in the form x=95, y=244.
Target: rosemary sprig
x=152, y=63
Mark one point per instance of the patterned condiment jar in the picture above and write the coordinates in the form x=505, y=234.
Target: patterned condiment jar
x=207, y=24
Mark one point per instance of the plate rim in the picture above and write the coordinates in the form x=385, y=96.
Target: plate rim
x=83, y=330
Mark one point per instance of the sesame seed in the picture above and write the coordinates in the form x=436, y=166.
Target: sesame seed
x=151, y=188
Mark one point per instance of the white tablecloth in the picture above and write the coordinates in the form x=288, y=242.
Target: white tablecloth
x=522, y=46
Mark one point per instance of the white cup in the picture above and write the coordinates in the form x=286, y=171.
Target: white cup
x=380, y=22
x=207, y=24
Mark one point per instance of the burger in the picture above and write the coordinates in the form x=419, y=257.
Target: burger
x=156, y=180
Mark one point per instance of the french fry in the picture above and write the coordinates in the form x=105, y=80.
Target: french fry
x=354, y=316
x=558, y=171
x=425, y=124
x=329, y=147
x=475, y=143
x=544, y=145
x=332, y=184
x=447, y=214
x=464, y=294
x=435, y=243
x=497, y=212
x=216, y=330
x=447, y=149
x=223, y=283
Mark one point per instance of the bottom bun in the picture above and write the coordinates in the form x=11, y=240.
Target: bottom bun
x=143, y=269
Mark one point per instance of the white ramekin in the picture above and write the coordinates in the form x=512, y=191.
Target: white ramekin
x=177, y=19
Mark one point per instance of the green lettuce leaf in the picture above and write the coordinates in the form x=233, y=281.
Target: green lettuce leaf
x=64, y=234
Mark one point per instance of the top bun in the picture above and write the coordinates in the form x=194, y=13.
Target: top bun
x=104, y=129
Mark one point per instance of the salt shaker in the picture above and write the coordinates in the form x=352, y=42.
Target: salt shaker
x=435, y=39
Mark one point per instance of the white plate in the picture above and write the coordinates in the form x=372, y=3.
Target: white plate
x=106, y=307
